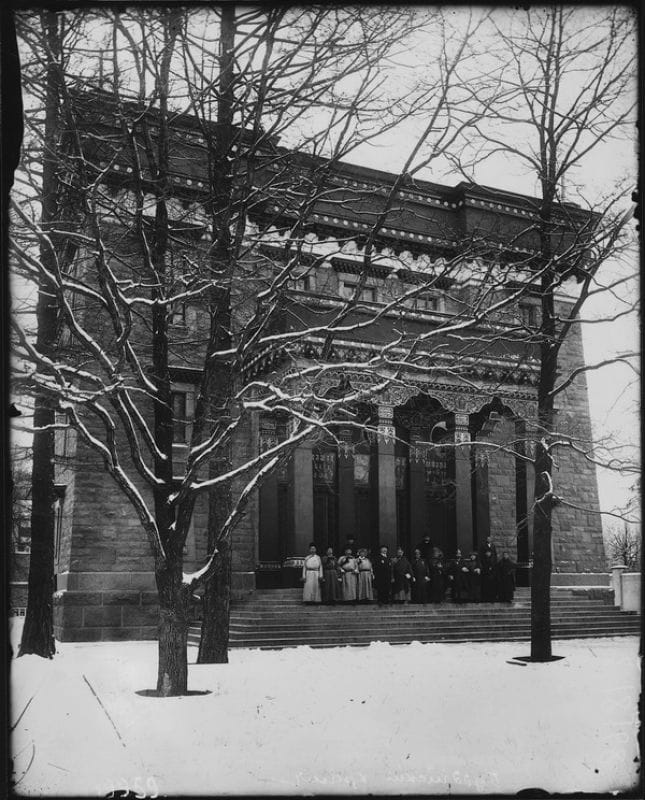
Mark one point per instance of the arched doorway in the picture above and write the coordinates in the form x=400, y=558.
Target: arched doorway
x=425, y=463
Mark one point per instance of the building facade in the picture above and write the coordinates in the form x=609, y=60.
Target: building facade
x=439, y=441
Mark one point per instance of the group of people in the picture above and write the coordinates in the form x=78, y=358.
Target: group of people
x=357, y=577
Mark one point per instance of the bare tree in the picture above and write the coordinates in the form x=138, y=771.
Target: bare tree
x=625, y=546
x=140, y=258
x=564, y=89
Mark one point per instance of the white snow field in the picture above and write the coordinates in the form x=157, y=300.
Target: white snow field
x=415, y=719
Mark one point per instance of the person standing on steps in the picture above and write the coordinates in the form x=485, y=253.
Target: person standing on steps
x=425, y=548
x=312, y=577
x=474, y=579
x=506, y=578
x=331, y=587
x=383, y=576
x=437, y=576
x=349, y=572
x=458, y=578
x=402, y=577
x=421, y=578
x=365, y=577
x=488, y=563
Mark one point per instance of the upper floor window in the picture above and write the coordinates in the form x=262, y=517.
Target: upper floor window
x=529, y=315
x=305, y=283
x=367, y=293
x=178, y=313
x=428, y=301
x=180, y=407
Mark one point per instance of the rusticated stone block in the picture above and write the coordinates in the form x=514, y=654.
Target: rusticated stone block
x=68, y=616
x=121, y=634
x=140, y=615
x=149, y=598
x=79, y=635
x=121, y=598
x=149, y=633
x=76, y=598
x=102, y=616
x=142, y=580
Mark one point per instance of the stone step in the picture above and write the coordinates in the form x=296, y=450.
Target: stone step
x=275, y=619
x=448, y=610
x=279, y=608
x=275, y=642
x=386, y=630
x=383, y=625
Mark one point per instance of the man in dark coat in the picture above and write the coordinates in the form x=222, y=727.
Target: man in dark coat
x=425, y=548
x=351, y=545
x=437, y=576
x=488, y=563
x=506, y=578
x=474, y=579
x=383, y=577
x=402, y=577
x=458, y=578
x=421, y=578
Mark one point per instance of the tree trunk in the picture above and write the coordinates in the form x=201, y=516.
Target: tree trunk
x=213, y=645
x=172, y=677
x=541, y=573
x=38, y=631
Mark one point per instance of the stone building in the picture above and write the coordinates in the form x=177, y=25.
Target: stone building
x=443, y=447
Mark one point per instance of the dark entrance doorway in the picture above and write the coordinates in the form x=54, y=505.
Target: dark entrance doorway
x=425, y=474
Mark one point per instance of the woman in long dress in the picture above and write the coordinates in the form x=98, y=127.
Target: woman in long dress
x=365, y=577
x=349, y=571
x=312, y=574
x=331, y=587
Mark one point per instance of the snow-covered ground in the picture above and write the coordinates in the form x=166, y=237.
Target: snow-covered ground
x=417, y=719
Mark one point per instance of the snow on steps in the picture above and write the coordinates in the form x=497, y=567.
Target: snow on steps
x=276, y=619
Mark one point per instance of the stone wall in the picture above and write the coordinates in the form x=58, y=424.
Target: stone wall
x=577, y=529
x=501, y=486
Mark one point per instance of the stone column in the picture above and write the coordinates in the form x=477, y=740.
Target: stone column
x=418, y=506
x=386, y=477
x=303, y=499
x=346, y=515
x=463, y=481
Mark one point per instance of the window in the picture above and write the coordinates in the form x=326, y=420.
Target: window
x=367, y=293
x=178, y=314
x=178, y=401
x=529, y=315
x=305, y=283
x=427, y=302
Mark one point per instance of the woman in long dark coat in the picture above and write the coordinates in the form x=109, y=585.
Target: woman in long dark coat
x=331, y=585
x=402, y=577
x=506, y=578
x=421, y=579
x=383, y=577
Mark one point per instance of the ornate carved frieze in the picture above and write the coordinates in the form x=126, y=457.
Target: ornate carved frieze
x=458, y=400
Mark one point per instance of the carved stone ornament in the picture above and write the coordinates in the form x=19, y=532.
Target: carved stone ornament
x=387, y=433
x=460, y=401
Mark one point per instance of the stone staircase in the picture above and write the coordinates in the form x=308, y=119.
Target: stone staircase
x=277, y=618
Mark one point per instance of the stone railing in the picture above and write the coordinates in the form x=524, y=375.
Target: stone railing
x=627, y=588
